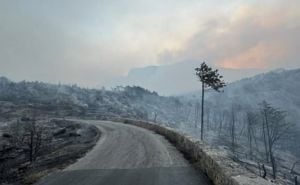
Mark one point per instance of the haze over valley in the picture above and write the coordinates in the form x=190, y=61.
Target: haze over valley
x=149, y=92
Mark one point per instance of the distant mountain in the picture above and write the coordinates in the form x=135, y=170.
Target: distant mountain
x=176, y=78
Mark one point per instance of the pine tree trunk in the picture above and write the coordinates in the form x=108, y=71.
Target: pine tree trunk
x=202, y=112
x=265, y=142
x=265, y=171
x=31, y=147
x=250, y=144
x=233, y=131
x=273, y=161
x=272, y=158
x=220, y=126
x=197, y=105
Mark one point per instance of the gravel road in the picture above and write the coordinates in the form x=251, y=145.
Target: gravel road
x=128, y=155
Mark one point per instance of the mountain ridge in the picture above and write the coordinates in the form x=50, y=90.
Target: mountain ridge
x=175, y=79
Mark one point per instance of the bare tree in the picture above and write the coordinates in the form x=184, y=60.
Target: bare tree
x=264, y=135
x=210, y=79
x=264, y=175
x=16, y=130
x=233, y=129
x=221, y=120
x=30, y=136
x=197, y=112
x=251, y=120
x=155, y=117
x=293, y=166
x=33, y=139
x=275, y=126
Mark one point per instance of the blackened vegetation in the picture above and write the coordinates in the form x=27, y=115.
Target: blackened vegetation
x=65, y=100
x=233, y=120
x=257, y=121
x=254, y=137
x=30, y=148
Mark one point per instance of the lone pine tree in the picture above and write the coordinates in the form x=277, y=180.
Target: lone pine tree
x=210, y=79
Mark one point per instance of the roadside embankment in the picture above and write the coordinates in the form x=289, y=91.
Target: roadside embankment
x=218, y=166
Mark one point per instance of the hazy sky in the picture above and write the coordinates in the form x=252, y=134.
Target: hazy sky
x=92, y=42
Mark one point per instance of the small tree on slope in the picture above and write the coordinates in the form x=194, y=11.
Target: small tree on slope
x=210, y=79
x=275, y=127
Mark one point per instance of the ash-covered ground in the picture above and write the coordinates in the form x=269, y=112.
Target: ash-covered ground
x=32, y=148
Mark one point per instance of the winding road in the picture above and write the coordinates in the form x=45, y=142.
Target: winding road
x=128, y=155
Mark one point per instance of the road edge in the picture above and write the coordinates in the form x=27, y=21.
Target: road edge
x=220, y=170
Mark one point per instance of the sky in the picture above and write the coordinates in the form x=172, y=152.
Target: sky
x=92, y=42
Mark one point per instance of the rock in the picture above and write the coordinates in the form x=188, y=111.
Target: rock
x=59, y=132
x=6, y=135
x=74, y=134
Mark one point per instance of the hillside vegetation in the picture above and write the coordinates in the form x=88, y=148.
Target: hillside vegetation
x=226, y=121
x=65, y=100
x=237, y=119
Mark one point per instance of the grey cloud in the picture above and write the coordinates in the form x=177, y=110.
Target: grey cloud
x=260, y=39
